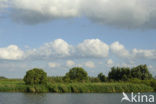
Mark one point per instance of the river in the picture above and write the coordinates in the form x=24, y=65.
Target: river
x=65, y=98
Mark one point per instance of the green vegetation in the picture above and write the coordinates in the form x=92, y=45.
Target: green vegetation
x=102, y=77
x=77, y=74
x=137, y=79
x=15, y=85
x=124, y=74
x=35, y=76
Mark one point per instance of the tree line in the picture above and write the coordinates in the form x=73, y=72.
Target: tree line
x=78, y=74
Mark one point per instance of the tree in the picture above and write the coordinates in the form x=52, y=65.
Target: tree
x=102, y=77
x=2, y=77
x=35, y=76
x=119, y=73
x=76, y=74
x=141, y=72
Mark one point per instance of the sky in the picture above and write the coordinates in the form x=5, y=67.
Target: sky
x=56, y=35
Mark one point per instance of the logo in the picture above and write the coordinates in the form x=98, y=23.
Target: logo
x=140, y=98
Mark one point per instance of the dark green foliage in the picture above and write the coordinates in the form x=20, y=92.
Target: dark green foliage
x=98, y=87
x=35, y=76
x=102, y=77
x=137, y=79
x=153, y=84
x=124, y=74
x=135, y=85
x=141, y=72
x=37, y=89
x=1, y=77
x=76, y=74
x=118, y=74
x=93, y=79
x=56, y=79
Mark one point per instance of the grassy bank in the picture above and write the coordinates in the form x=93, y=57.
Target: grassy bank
x=99, y=88
x=15, y=85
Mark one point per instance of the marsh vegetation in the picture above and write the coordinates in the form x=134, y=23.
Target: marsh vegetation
x=119, y=79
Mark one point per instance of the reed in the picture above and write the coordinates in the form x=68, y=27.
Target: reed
x=16, y=85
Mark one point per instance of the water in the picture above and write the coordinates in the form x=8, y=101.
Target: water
x=67, y=98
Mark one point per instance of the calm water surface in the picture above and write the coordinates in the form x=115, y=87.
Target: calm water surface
x=53, y=98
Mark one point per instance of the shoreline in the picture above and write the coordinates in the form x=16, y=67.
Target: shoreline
x=77, y=88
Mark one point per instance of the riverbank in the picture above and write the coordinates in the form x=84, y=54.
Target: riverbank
x=12, y=85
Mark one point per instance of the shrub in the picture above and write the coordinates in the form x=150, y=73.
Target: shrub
x=119, y=73
x=35, y=76
x=76, y=74
x=141, y=72
x=102, y=77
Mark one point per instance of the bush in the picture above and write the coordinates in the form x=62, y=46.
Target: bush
x=76, y=74
x=141, y=72
x=55, y=79
x=119, y=73
x=102, y=77
x=35, y=76
x=93, y=79
x=124, y=74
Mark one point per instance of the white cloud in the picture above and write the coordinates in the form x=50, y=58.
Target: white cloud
x=140, y=53
x=93, y=48
x=11, y=52
x=90, y=48
x=109, y=63
x=61, y=47
x=56, y=49
x=70, y=63
x=150, y=66
x=90, y=64
x=122, y=13
x=53, y=64
x=32, y=12
x=119, y=49
x=118, y=13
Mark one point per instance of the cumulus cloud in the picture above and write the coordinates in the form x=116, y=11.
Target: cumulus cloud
x=11, y=52
x=57, y=48
x=119, y=49
x=70, y=63
x=90, y=64
x=109, y=63
x=122, y=13
x=32, y=12
x=93, y=47
x=118, y=13
x=140, y=53
x=90, y=48
x=53, y=64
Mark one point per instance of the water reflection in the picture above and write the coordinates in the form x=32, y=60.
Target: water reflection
x=67, y=98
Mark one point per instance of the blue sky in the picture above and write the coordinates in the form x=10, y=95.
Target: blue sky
x=57, y=40
x=73, y=31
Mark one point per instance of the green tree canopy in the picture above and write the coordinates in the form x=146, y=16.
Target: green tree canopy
x=119, y=73
x=35, y=76
x=123, y=73
x=102, y=77
x=141, y=72
x=76, y=74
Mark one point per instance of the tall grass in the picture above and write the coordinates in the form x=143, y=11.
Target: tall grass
x=99, y=87
x=16, y=85
x=12, y=85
